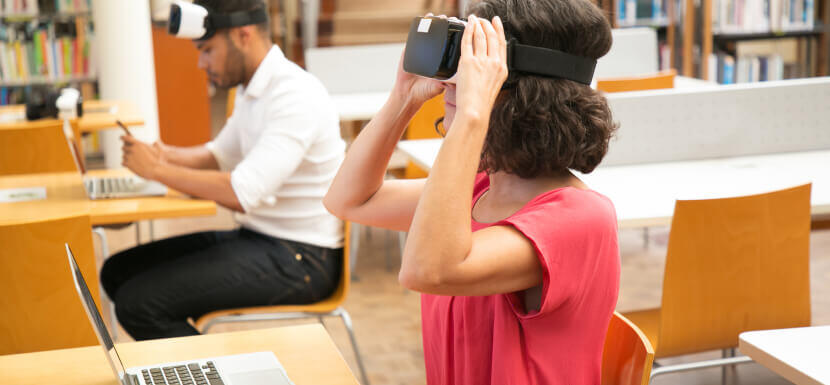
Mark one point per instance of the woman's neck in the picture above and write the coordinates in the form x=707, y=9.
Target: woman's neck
x=508, y=193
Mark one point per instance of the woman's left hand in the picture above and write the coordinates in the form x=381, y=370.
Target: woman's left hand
x=482, y=69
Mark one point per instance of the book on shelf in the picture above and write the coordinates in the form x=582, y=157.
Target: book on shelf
x=48, y=51
x=747, y=69
x=15, y=8
x=629, y=12
x=18, y=7
x=762, y=16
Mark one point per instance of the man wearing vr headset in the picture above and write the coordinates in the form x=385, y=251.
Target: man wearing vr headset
x=516, y=258
x=271, y=164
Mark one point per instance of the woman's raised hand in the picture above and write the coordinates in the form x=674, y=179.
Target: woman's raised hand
x=482, y=69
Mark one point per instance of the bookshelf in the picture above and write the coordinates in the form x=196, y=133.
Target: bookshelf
x=656, y=14
x=735, y=41
x=45, y=44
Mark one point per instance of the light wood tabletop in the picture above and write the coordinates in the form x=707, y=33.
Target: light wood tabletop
x=645, y=194
x=98, y=115
x=306, y=351
x=797, y=354
x=65, y=194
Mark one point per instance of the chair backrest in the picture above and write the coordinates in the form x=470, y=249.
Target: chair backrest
x=230, y=103
x=36, y=147
x=39, y=303
x=343, y=287
x=735, y=265
x=422, y=126
x=633, y=52
x=627, y=355
x=356, y=68
x=655, y=81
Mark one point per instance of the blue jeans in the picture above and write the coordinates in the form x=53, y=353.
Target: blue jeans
x=157, y=286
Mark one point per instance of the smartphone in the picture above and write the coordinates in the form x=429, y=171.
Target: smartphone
x=123, y=127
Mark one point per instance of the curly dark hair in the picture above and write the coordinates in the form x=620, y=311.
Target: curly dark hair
x=542, y=126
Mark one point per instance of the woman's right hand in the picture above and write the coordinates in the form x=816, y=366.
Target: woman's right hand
x=413, y=89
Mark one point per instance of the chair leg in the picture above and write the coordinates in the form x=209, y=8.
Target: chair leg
x=105, y=253
x=320, y=320
x=726, y=370
x=347, y=321
x=354, y=244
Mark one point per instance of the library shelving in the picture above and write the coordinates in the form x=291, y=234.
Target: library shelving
x=45, y=44
x=742, y=40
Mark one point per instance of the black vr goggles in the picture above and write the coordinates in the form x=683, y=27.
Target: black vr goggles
x=433, y=49
x=191, y=21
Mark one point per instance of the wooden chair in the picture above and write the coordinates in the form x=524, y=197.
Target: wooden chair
x=229, y=104
x=422, y=126
x=627, y=355
x=36, y=147
x=732, y=265
x=329, y=307
x=40, y=307
x=660, y=80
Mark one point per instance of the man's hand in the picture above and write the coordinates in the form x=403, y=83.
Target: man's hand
x=141, y=158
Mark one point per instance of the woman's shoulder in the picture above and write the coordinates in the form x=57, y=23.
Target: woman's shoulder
x=572, y=206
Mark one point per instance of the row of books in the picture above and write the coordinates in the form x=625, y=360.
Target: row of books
x=747, y=69
x=50, y=51
x=757, y=16
x=35, y=7
x=630, y=11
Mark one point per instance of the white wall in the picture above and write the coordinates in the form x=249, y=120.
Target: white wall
x=124, y=54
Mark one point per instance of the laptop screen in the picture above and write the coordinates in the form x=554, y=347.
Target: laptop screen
x=104, y=336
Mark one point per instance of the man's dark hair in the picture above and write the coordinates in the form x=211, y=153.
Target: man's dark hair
x=544, y=126
x=230, y=6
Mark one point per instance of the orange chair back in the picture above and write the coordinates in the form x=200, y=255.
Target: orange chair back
x=627, y=356
x=422, y=126
x=735, y=265
x=36, y=147
x=40, y=307
x=660, y=80
x=322, y=307
x=230, y=103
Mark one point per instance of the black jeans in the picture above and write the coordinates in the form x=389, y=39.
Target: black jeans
x=157, y=286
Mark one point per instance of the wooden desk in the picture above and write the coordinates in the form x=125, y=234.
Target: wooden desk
x=644, y=194
x=307, y=353
x=98, y=115
x=799, y=354
x=65, y=193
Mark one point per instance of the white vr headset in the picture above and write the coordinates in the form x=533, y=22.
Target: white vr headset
x=191, y=21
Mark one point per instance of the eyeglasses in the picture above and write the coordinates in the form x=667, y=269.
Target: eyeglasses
x=439, y=127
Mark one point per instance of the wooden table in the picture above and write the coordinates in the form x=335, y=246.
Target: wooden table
x=307, y=353
x=98, y=115
x=800, y=355
x=644, y=194
x=65, y=193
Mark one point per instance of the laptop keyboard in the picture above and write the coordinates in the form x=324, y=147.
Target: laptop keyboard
x=110, y=185
x=190, y=374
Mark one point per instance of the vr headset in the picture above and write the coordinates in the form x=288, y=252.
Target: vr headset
x=191, y=21
x=433, y=49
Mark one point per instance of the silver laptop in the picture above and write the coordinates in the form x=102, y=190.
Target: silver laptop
x=261, y=368
x=115, y=186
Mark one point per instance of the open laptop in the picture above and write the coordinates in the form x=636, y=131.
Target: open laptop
x=105, y=187
x=261, y=368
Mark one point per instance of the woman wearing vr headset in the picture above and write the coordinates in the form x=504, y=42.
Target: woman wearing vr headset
x=516, y=258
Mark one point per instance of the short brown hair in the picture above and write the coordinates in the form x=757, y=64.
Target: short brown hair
x=543, y=126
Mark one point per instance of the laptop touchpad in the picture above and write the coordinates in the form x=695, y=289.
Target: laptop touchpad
x=258, y=377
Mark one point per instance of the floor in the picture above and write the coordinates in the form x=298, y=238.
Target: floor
x=387, y=320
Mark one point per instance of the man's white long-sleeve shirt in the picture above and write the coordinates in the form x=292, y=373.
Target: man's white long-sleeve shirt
x=282, y=146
